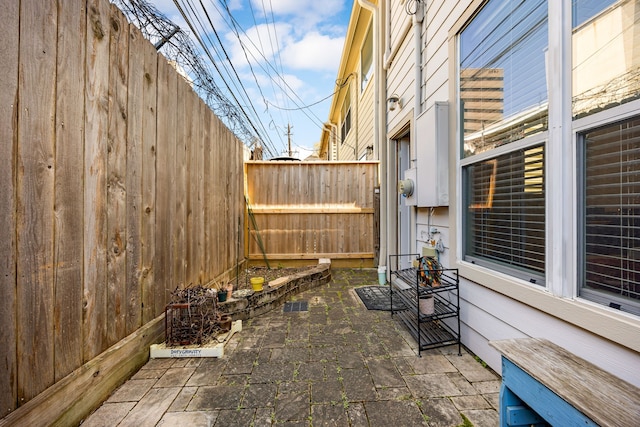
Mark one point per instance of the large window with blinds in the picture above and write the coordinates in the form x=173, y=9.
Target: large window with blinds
x=606, y=76
x=610, y=257
x=505, y=213
x=503, y=104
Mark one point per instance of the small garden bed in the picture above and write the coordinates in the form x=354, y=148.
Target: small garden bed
x=269, y=274
x=279, y=286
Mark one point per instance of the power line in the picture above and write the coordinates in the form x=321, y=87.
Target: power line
x=177, y=47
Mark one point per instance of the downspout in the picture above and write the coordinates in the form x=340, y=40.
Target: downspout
x=333, y=135
x=418, y=17
x=379, y=127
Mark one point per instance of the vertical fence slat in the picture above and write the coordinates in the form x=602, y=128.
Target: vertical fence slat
x=69, y=213
x=207, y=195
x=117, y=176
x=35, y=221
x=149, y=178
x=95, y=184
x=134, y=171
x=9, y=19
x=180, y=194
x=200, y=232
x=191, y=189
x=165, y=157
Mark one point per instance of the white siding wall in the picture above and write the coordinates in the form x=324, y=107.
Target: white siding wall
x=365, y=117
x=401, y=72
x=485, y=314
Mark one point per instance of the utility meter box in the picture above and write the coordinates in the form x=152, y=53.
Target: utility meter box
x=408, y=187
x=432, y=156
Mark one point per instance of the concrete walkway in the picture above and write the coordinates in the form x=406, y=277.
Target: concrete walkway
x=338, y=364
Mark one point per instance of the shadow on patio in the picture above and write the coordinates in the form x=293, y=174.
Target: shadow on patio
x=337, y=364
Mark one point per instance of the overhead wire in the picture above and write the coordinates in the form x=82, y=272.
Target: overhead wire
x=176, y=46
x=230, y=63
x=236, y=108
x=215, y=65
x=279, y=56
x=237, y=33
x=234, y=29
x=315, y=120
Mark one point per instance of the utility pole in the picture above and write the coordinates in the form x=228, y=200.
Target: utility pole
x=289, y=139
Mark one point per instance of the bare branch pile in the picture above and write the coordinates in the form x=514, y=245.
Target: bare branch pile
x=193, y=317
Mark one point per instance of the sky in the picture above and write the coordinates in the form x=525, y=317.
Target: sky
x=294, y=49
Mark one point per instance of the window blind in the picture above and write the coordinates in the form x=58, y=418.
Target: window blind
x=611, y=248
x=505, y=218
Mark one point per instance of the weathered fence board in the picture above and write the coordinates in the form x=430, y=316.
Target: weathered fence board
x=116, y=176
x=149, y=176
x=311, y=210
x=9, y=20
x=134, y=189
x=95, y=179
x=69, y=207
x=35, y=189
x=116, y=181
x=166, y=144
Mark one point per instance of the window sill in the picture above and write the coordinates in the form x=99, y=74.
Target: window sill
x=619, y=327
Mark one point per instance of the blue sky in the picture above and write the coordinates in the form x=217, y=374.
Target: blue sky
x=294, y=47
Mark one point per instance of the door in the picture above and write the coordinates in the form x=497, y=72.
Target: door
x=403, y=236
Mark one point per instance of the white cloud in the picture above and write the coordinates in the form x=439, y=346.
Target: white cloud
x=260, y=43
x=314, y=52
x=304, y=13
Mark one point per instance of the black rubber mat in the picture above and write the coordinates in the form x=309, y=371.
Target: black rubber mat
x=377, y=298
x=290, y=307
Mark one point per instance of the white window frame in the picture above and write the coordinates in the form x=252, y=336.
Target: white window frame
x=541, y=138
x=559, y=298
x=365, y=75
x=619, y=113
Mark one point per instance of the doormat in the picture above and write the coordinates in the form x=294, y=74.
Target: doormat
x=290, y=307
x=377, y=298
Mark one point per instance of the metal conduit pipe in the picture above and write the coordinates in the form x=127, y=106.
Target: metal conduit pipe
x=418, y=17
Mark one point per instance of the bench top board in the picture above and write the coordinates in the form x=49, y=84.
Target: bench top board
x=601, y=396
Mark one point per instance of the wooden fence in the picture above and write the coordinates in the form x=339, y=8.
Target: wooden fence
x=311, y=210
x=117, y=184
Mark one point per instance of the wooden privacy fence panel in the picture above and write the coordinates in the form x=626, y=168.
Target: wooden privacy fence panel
x=117, y=184
x=312, y=210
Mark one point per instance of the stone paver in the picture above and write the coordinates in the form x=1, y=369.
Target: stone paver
x=338, y=364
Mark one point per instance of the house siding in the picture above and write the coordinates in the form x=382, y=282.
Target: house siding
x=512, y=309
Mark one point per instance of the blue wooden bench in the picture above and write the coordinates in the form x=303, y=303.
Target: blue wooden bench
x=543, y=384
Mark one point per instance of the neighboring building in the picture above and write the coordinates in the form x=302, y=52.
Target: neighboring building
x=349, y=132
x=521, y=132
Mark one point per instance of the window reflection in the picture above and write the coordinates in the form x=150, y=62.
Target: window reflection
x=606, y=54
x=503, y=84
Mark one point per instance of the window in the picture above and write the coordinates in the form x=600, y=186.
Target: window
x=346, y=116
x=606, y=55
x=606, y=75
x=505, y=213
x=611, y=215
x=366, y=60
x=504, y=117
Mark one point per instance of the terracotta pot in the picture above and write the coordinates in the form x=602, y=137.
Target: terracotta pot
x=225, y=323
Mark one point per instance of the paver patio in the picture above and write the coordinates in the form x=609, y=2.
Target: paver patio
x=338, y=364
